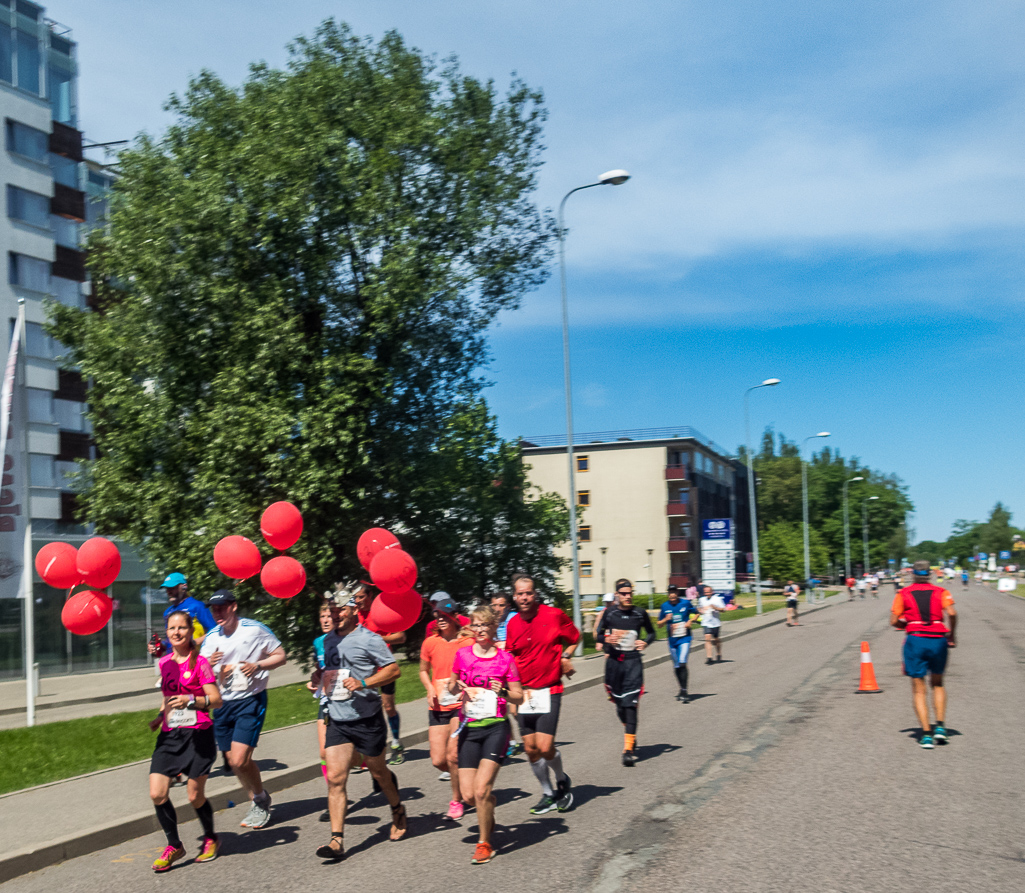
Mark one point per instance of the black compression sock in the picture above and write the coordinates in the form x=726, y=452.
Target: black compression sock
x=681, y=675
x=629, y=718
x=206, y=818
x=168, y=819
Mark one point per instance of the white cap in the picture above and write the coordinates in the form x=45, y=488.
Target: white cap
x=609, y=597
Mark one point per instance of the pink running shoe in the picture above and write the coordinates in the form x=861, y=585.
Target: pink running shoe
x=455, y=811
x=170, y=855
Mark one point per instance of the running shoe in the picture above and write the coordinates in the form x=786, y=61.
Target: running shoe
x=926, y=742
x=259, y=816
x=545, y=804
x=564, y=794
x=629, y=758
x=482, y=854
x=515, y=748
x=939, y=733
x=397, y=755
x=170, y=855
x=325, y=816
x=455, y=810
x=445, y=776
x=709, y=660
x=249, y=816
x=208, y=852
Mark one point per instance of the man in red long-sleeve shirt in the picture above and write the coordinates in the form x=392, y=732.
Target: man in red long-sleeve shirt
x=541, y=638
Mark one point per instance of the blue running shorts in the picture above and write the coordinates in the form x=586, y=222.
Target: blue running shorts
x=240, y=720
x=924, y=654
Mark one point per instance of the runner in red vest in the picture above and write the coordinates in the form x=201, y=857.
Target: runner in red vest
x=927, y=613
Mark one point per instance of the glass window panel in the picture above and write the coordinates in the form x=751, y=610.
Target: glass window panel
x=30, y=207
x=30, y=272
x=6, y=55
x=67, y=291
x=27, y=141
x=60, y=96
x=41, y=470
x=65, y=232
x=68, y=415
x=28, y=62
x=40, y=405
x=30, y=10
x=65, y=170
x=37, y=342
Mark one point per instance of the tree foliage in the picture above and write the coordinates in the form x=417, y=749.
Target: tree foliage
x=781, y=552
x=992, y=536
x=295, y=289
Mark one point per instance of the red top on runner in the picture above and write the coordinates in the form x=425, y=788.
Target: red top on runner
x=537, y=646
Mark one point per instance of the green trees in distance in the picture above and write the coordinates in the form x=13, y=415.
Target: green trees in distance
x=295, y=288
x=781, y=552
x=992, y=536
x=778, y=491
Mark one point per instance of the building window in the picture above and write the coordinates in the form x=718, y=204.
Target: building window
x=65, y=170
x=60, y=95
x=585, y=568
x=37, y=342
x=25, y=140
x=583, y=463
x=40, y=405
x=584, y=497
x=65, y=232
x=6, y=54
x=29, y=272
x=28, y=207
x=584, y=534
x=28, y=62
x=41, y=470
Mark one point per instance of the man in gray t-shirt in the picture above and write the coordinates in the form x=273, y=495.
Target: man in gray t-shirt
x=356, y=663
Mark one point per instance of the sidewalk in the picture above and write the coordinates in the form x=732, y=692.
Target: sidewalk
x=62, y=820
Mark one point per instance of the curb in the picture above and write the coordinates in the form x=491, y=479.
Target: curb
x=43, y=855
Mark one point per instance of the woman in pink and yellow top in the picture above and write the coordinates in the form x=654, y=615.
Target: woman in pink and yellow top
x=488, y=681
x=185, y=745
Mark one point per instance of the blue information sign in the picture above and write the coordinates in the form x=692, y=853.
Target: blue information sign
x=717, y=529
x=1005, y=556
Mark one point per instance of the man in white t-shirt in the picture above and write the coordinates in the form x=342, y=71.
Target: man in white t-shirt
x=241, y=652
x=709, y=606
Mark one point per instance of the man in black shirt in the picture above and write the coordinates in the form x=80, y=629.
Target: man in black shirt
x=619, y=632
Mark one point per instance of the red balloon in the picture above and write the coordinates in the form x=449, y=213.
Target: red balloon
x=237, y=557
x=281, y=525
x=394, y=612
x=86, y=613
x=57, y=564
x=98, y=562
x=283, y=577
x=372, y=542
x=393, y=570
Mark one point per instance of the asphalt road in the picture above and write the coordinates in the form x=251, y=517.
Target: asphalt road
x=778, y=777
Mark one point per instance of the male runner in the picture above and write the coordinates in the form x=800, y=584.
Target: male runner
x=709, y=606
x=964, y=579
x=241, y=652
x=850, y=581
x=176, y=588
x=791, y=592
x=541, y=638
x=501, y=604
x=364, y=598
x=921, y=609
x=677, y=612
x=356, y=661
x=619, y=634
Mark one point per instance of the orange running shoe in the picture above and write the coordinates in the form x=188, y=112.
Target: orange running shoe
x=482, y=854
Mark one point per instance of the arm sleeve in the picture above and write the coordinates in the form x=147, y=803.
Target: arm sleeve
x=205, y=673
x=567, y=631
x=652, y=635
x=599, y=633
x=381, y=653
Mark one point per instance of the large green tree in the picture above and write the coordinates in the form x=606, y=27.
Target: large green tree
x=781, y=552
x=295, y=288
x=967, y=538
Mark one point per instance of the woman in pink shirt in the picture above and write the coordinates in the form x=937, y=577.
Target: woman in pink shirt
x=488, y=681
x=185, y=745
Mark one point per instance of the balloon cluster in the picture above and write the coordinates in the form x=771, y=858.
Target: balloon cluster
x=394, y=572
x=97, y=564
x=283, y=577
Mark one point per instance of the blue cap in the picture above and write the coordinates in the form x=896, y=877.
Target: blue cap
x=173, y=580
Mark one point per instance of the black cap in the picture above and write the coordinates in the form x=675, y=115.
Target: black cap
x=672, y=587
x=221, y=597
x=446, y=606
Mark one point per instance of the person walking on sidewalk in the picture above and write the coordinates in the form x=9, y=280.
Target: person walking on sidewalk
x=501, y=604
x=185, y=745
x=709, y=606
x=541, y=638
x=791, y=592
x=242, y=653
x=619, y=634
x=328, y=617
x=176, y=589
x=927, y=613
x=356, y=662
x=678, y=613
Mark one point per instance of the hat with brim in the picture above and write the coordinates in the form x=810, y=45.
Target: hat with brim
x=174, y=579
x=447, y=607
x=221, y=597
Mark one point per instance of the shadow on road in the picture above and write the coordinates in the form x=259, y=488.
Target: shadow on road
x=585, y=793
x=707, y=694
x=916, y=732
x=293, y=810
x=650, y=751
x=509, y=838
x=236, y=844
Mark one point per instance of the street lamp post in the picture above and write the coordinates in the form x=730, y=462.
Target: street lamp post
x=604, y=549
x=847, y=526
x=768, y=383
x=864, y=525
x=804, y=507
x=609, y=178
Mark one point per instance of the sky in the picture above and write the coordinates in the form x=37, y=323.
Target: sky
x=831, y=194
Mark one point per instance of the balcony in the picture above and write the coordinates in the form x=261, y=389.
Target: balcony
x=676, y=473
x=68, y=203
x=678, y=545
x=66, y=141
x=69, y=264
x=74, y=445
x=677, y=508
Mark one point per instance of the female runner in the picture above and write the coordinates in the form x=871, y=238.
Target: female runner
x=186, y=742
x=328, y=618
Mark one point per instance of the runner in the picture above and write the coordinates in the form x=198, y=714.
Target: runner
x=432, y=626
x=356, y=662
x=328, y=618
x=920, y=609
x=862, y=587
x=619, y=634
x=487, y=678
x=677, y=613
x=185, y=745
x=501, y=604
x=709, y=606
x=364, y=599
x=850, y=588
x=873, y=582
x=436, y=656
x=791, y=591
x=541, y=638
x=242, y=651
x=176, y=589
x=964, y=579
x=607, y=601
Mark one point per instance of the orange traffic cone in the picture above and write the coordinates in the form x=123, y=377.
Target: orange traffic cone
x=868, y=675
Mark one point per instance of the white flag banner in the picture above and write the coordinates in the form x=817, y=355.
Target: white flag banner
x=14, y=461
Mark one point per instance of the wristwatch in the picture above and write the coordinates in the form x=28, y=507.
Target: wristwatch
x=192, y=703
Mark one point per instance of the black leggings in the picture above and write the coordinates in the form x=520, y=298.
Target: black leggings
x=681, y=676
x=628, y=717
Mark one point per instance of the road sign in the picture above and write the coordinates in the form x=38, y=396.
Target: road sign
x=1005, y=556
x=717, y=529
x=718, y=561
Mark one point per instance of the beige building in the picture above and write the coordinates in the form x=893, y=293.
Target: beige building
x=644, y=494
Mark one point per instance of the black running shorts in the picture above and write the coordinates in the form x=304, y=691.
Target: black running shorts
x=541, y=723
x=441, y=717
x=368, y=735
x=478, y=743
x=188, y=752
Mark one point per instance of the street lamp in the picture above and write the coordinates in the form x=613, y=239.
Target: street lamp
x=864, y=525
x=847, y=526
x=609, y=178
x=768, y=383
x=804, y=505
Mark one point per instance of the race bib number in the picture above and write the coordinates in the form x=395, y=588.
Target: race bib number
x=484, y=705
x=535, y=700
x=237, y=681
x=627, y=641
x=445, y=697
x=335, y=688
x=679, y=630
x=183, y=717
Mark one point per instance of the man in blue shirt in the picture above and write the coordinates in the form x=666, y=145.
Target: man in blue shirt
x=677, y=612
x=176, y=588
